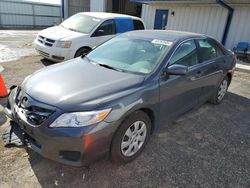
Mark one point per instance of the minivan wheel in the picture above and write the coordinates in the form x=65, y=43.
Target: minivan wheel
x=82, y=52
x=221, y=91
x=131, y=137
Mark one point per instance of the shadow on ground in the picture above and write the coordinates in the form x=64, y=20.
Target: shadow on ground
x=47, y=62
x=207, y=147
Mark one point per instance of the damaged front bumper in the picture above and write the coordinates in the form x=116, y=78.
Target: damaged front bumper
x=70, y=146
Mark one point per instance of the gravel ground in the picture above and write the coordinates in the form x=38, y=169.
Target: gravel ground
x=207, y=147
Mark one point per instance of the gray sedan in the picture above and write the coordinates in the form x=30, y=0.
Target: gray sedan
x=114, y=98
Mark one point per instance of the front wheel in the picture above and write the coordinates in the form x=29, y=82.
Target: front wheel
x=82, y=52
x=221, y=91
x=131, y=137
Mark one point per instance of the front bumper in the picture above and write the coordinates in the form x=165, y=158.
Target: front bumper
x=53, y=53
x=70, y=146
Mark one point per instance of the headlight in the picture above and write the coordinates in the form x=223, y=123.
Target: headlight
x=64, y=44
x=80, y=119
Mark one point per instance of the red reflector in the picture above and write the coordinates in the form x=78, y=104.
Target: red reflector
x=87, y=141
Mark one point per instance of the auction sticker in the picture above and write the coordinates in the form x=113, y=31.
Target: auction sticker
x=162, y=42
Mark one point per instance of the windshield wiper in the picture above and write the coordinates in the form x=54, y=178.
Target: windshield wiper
x=72, y=29
x=109, y=67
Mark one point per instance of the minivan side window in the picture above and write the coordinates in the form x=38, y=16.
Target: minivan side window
x=106, y=28
x=138, y=25
x=185, y=54
x=209, y=50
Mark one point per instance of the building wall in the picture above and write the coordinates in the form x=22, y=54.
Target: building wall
x=98, y=5
x=75, y=6
x=209, y=19
x=240, y=27
x=19, y=14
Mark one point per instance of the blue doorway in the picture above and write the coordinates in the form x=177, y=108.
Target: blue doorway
x=161, y=19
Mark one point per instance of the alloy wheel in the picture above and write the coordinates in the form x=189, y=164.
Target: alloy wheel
x=222, y=90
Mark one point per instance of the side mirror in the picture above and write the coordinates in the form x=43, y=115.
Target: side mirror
x=99, y=32
x=177, y=70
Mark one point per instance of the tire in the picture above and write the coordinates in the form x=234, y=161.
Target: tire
x=220, y=92
x=128, y=153
x=81, y=52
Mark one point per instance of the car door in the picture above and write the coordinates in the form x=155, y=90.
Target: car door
x=180, y=93
x=104, y=32
x=211, y=60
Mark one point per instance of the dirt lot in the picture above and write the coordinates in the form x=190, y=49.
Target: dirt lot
x=207, y=147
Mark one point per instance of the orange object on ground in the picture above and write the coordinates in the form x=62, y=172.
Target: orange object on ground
x=3, y=89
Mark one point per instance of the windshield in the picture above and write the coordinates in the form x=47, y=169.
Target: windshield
x=130, y=54
x=80, y=23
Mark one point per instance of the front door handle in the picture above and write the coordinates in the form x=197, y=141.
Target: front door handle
x=198, y=74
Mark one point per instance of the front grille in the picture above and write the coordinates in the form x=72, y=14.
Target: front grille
x=29, y=110
x=46, y=41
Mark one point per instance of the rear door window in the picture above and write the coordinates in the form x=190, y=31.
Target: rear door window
x=138, y=25
x=108, y=27
x=209, y=50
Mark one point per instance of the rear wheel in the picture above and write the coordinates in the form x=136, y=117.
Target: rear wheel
x=82, y=52
x=131, y=137
x=221, y=91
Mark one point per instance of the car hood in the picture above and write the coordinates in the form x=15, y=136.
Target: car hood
x=59, y=32
x=69, y=85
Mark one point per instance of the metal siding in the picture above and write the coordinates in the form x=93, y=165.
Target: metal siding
x=10, y=7
x=240, y=27
x=12, y=20
x=46, y=10
x=28, y=14
x=45, y=21
x=209, y=20
x=148, y=15
x=75, y=6
x=98, y=5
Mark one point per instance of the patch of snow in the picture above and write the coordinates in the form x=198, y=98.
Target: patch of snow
x=10, y=54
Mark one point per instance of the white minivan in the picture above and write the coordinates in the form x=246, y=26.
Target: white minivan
x=82, y=32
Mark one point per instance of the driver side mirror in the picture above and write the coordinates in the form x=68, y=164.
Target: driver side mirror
x=99, y=32
x=176, y=70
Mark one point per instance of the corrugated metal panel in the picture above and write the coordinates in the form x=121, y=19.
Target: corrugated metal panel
x=10, y=20
x=45, y=21
x=209, y=20
x=240, y=27
x=97, y=5
x=47, y=10
x=10, y=7
x=148, y=14
x=28, y=14
x=76, y=6
x=204, y=18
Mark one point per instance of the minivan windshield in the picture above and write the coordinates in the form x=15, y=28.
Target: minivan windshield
x=130, y=54
x=80, y=23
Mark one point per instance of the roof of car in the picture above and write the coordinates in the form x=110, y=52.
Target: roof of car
x=104, y=15
x=169, y=35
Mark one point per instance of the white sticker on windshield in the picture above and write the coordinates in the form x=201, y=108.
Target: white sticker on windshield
x=162, y=42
